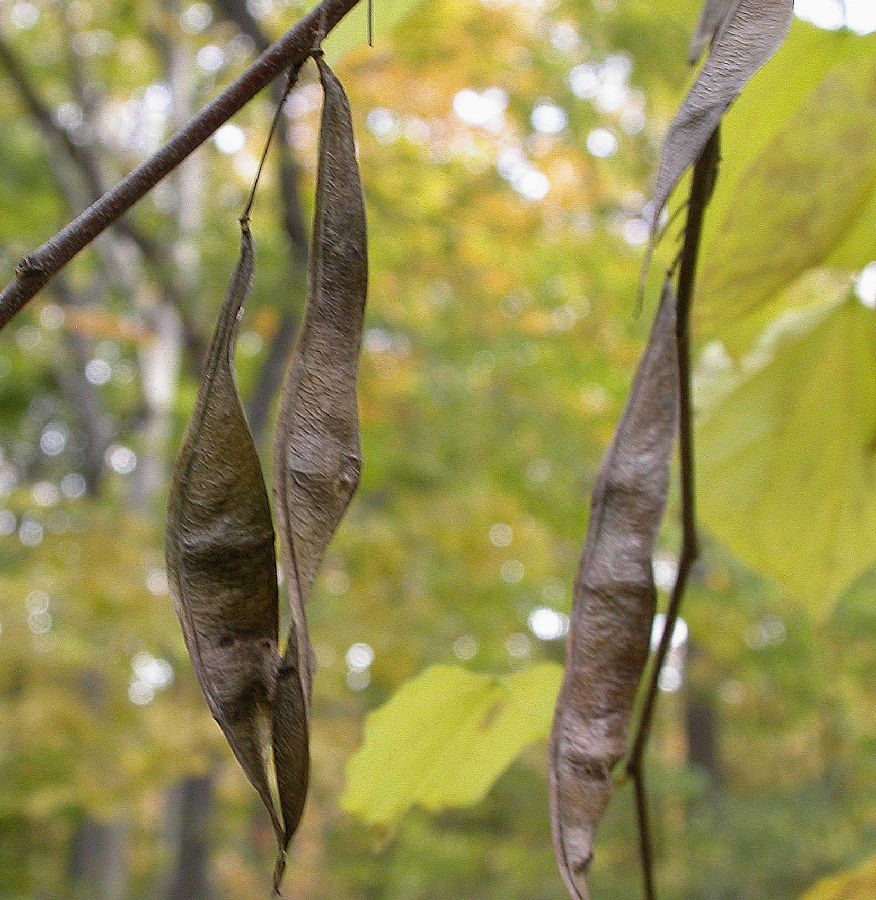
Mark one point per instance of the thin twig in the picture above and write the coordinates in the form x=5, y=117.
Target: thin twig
x=702, y=185
x=35, y=270
x=270, y=375
x=290, y=83
x=645, y=849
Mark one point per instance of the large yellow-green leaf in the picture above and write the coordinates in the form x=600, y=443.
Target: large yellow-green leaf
x=787, y=458
x=773, y=98
x=445, y=737
x=815, y=289
x=785, y=203
x=859, y=884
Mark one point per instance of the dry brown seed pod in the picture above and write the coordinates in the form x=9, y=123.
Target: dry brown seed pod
x=220, y=554
x=613, y=605
x=748, y=34
x=317, y=456
x=713, y=16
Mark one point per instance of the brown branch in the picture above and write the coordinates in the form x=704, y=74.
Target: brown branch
x=88, y=164
x=36, y=270
x=702, y=185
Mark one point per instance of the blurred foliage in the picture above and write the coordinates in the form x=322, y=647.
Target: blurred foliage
x=855, y=885
x=804, y=220
x=507, y=150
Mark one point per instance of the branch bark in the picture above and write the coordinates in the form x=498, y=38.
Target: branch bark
x=36, y=270
x=92, y=186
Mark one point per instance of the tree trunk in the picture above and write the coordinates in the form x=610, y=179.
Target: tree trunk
x=98, y=860
x=189, y=814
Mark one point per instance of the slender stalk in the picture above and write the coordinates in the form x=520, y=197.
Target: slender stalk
x=702, y=185
x=37, y=269
x=645, y=849
x=290, y=83
x=271, y=374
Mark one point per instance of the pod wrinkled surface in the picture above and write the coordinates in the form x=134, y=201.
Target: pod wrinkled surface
x=613, y=606
x=714, y=14
x=748, y=35
x=220, y=554
x=317, y=456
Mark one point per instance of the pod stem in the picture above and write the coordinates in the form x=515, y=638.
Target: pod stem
x=702, y=185
x=291, y=79
x=279, y=871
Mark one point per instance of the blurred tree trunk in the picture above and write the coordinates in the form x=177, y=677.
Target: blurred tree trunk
x=83, y=397
x=701, y=723
x=702, y=737
x=160, y=361
x=190, y=813
x=98, y=862
x=98, y=858
x=190, y=802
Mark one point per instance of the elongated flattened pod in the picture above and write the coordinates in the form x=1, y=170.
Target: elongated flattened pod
x=317, y=456
x=748, y=33
x=219, y=545
x=613, y=605
x=711, y=19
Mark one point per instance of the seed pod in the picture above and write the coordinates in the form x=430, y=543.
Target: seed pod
x=613, y=606
x=220, y=551
x=317, y=456
x=712, y=17
x=747, y=37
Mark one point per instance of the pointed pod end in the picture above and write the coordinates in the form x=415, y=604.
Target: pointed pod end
x=580, y=788
x=697, y=46
x=329, y=80
x=578, y=886
x=574, y=853
x=279, y=871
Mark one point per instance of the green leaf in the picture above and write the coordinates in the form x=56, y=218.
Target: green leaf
x=859, y=884
x=353, y=30
x=784, y=203
x=445, y=737
x=816, y=289
x=787, y=456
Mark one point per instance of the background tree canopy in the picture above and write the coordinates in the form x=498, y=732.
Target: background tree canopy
x=507, y=151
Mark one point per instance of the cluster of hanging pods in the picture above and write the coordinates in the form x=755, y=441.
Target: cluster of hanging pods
x=220, y=538
x=220, y=552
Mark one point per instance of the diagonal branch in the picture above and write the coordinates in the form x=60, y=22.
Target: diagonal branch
x=702, y=185
x=88, y=165
x=36, y=270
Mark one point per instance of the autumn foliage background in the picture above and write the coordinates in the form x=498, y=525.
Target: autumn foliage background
x=507, y=150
